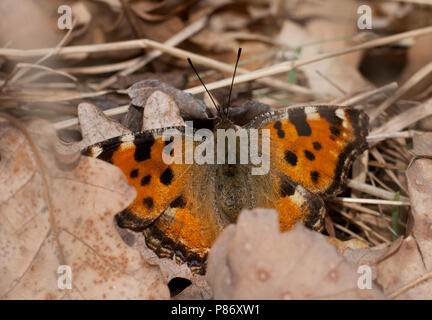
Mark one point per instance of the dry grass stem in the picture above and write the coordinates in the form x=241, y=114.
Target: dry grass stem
x=406, y=118
x=364, y=96
x=370, y=201
x=290, y=65
x=375, y=191
x=412, y=82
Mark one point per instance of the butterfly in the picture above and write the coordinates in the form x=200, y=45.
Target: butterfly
x=181, y=208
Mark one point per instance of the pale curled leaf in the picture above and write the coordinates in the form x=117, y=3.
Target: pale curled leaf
x=253, y=260
x=161, y=111
x=141, y=91
x=95, y=127
x=85, y=199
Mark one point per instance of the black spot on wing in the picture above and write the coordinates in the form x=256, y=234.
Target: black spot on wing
x=145, y=180
x=143, y=148
x=148, y=202
x=317, y=146
x=314, y=176
x=309, y=155
x=330, y=115
x=169, y=146
x=281, y=133
x=179, y=202
x=286, y=188
x=134, y=173
x=291, y=158
x=298, y=118
x=335, y=130
x=171, y=139
x=166, y=176
x=277, y=125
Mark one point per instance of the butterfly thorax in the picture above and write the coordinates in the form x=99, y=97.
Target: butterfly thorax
x=231, y=178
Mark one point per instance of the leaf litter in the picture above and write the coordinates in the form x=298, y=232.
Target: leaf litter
x=300, y=53
x=78, y=231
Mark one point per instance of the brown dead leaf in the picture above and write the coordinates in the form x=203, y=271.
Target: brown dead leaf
x=141, y=91
x=161, y=111
x=419, y=55
x=29, y=23
x=407, y=273
x=420, y=189
x=253, y=260
x=174, y=79
x=84, y=200
x=95, y=127
x=422, y=144
x=330, y=77
x=215, y=41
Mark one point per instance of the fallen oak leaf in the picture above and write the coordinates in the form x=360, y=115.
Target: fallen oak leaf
x=189, y=106
x=95, y=127
x=407, y=273
x=84, y=201
x=161, y=111
x=253, y=260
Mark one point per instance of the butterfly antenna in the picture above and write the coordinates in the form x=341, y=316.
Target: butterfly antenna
x=202, y=82
x=232, y=82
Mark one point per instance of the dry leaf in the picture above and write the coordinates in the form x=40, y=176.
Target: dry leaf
x=84, y=201
x=161, y=111
x=253, y=260
x=29, y=23
x=95, y=127
x=330, y=77
x=141, y=91
x=413, y=260
x=215, y=41
x=422, y=144
x=174, y=79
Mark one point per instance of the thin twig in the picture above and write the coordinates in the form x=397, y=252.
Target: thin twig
x=364, y=96
x=352, y=234
x=414, y=1
x=171, y=42
x=410, y=285
x=413, y=81
x=375, y=191
x=290, y=65
x=377, y=137
x=23, y=65
x=361, y=225
x=370, y=201
x=406, y=118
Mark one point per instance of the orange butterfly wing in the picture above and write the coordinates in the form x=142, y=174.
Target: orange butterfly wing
x=311, y=151
x=170, y=207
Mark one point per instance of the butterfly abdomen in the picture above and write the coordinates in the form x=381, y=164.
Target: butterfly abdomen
x=232, y=192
